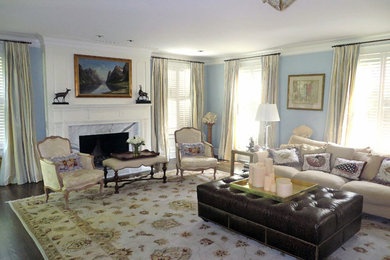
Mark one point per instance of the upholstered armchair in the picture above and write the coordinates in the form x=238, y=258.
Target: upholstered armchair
x=199, y=155
x=65, y=171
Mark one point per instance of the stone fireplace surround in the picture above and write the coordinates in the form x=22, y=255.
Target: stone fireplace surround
x=73, y=120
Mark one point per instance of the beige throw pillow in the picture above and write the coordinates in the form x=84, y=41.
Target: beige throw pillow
x=309, y=149
x=295, y=139
x=373, y=163
x=338, y=151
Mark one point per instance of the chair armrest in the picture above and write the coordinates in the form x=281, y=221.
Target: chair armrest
x=178, y=154
x=87, y=161
x=50, y=176
x=208, y=149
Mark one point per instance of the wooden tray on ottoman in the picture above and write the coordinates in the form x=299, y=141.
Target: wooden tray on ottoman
x=299, y=188
x=130, y=155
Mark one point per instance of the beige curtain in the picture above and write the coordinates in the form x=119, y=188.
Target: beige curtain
x=20, y=163
x=229, y=112
x=160, y=105
x=270, y=75
x=197, y=93
x=345, y=61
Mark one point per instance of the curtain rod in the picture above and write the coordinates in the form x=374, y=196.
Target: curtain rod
x=15, y=41
x=347, y=44
x=177, y=59
x=278, y=53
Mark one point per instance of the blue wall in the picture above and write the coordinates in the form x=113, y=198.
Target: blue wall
x=312, y=63
x=39, y=96
x=214, y=85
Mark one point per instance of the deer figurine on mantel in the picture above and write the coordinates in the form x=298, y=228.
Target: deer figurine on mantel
x=61, y=95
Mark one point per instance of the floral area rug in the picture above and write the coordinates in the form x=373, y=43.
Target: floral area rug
x=152, y=220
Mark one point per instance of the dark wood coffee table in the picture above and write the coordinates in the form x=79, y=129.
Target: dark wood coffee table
x=117, y=165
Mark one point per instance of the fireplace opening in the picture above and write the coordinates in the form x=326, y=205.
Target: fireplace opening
x=102, y=145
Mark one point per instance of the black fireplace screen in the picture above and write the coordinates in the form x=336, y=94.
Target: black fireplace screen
x=101, y=146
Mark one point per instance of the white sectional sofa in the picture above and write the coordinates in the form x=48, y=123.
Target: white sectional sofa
x=376, y=196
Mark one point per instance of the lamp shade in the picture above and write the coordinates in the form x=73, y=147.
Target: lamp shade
x=267, y=113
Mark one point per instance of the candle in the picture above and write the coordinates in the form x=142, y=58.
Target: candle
x=283, y=187
x=261, y=156
x=268, y=165
x=258, y=176
x=267, y=183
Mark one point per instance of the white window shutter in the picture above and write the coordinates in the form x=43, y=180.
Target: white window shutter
x=2, y=98
x=371, y=103
x=179, y=100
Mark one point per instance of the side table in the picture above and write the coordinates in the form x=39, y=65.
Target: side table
x=233, y=158
x=117, y=165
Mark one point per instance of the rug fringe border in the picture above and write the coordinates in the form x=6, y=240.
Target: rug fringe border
x=27, y=229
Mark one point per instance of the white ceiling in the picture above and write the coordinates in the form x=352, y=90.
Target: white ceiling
x=219, y=27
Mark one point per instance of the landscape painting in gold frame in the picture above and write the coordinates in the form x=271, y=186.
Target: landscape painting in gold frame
x=102, y=77
x=306, y=92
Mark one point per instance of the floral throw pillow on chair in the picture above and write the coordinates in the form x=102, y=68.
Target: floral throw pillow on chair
x=191, y=149
x=67, y=163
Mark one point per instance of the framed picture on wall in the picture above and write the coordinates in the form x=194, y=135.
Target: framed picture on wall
x=306, y=91
x=102, y=76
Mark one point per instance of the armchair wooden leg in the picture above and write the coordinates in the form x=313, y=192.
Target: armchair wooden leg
x=202, y=171
x=66, y=196
x=101, y=187
x=46, y=192
x=215, y=171
x=177, y=170
x=181, y=173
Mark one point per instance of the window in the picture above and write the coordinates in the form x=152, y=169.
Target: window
x=2, y=99
x=248, y=100
x=369, y=123
x=179, y=101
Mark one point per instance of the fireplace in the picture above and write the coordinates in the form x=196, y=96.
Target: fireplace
x=102, y=145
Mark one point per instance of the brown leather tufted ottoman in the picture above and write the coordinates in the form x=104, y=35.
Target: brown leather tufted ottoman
x=311, y=226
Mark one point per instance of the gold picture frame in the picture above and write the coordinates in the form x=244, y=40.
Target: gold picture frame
x=306, y=92
x=102, y=76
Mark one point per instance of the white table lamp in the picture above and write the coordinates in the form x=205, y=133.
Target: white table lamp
x=267, y=113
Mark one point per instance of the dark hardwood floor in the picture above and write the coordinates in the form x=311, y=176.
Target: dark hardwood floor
x=16, y=243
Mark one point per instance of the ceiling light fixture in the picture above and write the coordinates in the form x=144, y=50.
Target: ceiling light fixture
x=130, y=40
x=279, y=5
x=99, y=35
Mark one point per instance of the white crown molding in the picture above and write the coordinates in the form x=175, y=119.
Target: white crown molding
x=302, y=48
x=48, y=41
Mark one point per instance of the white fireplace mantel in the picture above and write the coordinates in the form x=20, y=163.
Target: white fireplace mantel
x=64, y=116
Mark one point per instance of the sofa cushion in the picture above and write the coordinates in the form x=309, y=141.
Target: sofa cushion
x=339, y=151
x=372, y=192
x=373, y=163
x=321, y=178
x=295, y=139
x=285, y=171
x=349, y=169
x=383, y=176
x=318, y=162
